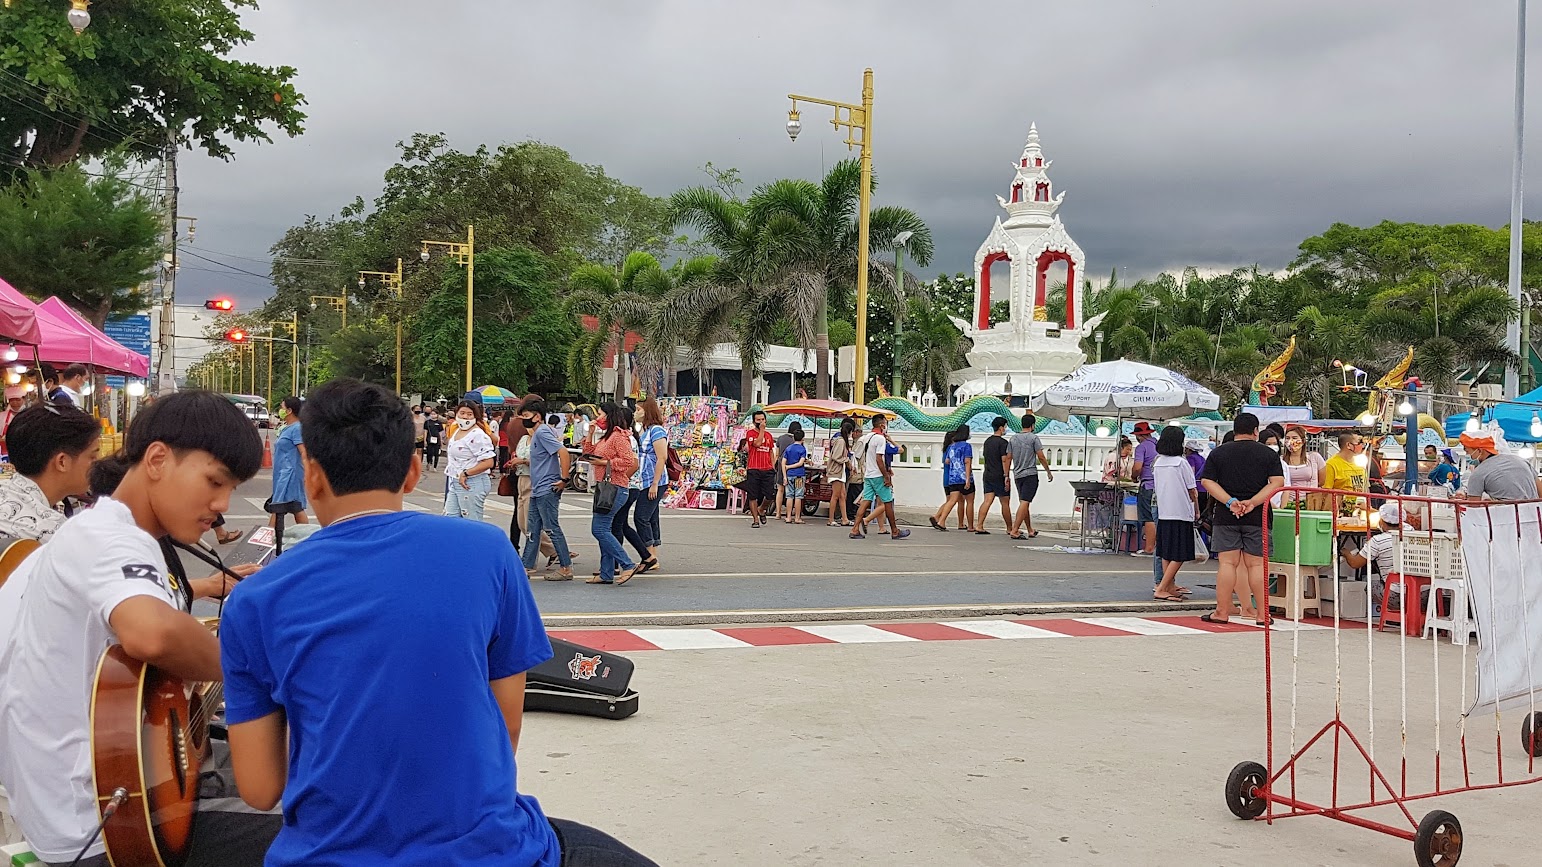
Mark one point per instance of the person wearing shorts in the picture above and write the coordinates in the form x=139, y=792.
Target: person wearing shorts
x=1240, y=477
x=878, y=484
x=1027, y=453
x=998, y=466
x=1145, y=496
x=759, y=478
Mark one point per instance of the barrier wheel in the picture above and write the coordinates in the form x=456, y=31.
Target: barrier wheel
x=1244, y=790
x=1531, y=735
x=810, y=507
x=1438, y=842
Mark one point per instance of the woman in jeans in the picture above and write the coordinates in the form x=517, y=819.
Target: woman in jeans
x=468, y=470
x=612, y=459
x=620, y=517
x=649, y=482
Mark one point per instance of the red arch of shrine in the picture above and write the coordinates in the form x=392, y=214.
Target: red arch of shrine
x=1041, y=272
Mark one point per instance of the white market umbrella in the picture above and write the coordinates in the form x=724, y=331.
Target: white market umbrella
x=1127, y=388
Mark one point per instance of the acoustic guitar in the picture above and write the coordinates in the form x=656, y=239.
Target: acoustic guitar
x=14, y=553
x=149, y=736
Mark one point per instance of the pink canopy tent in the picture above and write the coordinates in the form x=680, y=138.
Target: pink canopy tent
x=18, y=317
x=103, y=351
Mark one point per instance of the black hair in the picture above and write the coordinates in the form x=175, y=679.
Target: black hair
x=758, y=412
x=476, y=409
x=536, y=407
x=614, y=418
x=795, y=427
x=1346, y=438
x=1170, y=442
x=74, y=370
x=1275, y=428
x=998, y=423
x=38, y=433
x=293, y=404
x=1245, y=423
x=797, y=434
x=1028, y=422
x=554, y=420
x=1123, y=442
x=360, y=435
x=107, y=473
x=1231, y=436
x=961, y=433
x=848, y=427
x=197, y=420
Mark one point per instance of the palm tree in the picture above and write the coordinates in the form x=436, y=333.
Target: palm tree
x=1465, y=331
x=622, y=301
x=800, y=239
x=931, y=347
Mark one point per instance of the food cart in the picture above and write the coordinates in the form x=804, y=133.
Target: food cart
x=817, y=488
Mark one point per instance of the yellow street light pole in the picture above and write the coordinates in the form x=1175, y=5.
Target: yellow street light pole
x=293, y=327
x=338, y=301
x=465, y=254
x=394, y=281
x=858, y=118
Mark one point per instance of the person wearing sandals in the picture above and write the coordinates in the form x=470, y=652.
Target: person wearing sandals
x=957, y=477
x=998, y=464
x=878, y=481
x=613, y=457
x=621, y=516
x=835, y=473
x=1176, y=498
x=1027, y=456
x=1240, y=477
x=651, y=480
x=795, y=476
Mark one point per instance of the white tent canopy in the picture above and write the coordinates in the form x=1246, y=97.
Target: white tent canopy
x=777, y=359
x=1128, y=388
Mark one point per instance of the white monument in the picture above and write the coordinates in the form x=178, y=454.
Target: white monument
x=1027, y=350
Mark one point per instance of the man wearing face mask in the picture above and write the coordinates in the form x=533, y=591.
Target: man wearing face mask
x=1343, y=472
x=1497, y=475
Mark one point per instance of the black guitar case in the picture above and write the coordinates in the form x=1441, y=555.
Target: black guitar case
x=582, y=680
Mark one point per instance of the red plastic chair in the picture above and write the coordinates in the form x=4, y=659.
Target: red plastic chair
x=1411, y=615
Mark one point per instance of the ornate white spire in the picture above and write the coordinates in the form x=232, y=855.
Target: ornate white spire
x=1032, y=201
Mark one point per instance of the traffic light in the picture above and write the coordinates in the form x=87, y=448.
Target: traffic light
x=224, y=305
x=236, y=335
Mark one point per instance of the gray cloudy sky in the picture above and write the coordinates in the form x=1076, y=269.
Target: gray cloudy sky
x=1206, y=132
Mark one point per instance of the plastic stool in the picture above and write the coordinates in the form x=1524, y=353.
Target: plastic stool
x=1410, y=614
x=736, y=501
x=1455, y=619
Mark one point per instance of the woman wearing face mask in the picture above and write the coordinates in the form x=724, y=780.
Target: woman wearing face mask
x=471, y=457
x=614, y=460
x=288, y=475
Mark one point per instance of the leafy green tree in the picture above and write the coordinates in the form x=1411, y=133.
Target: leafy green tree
x=931, y=347
x=620, y=301
x=139, y=69
x=89, y=240
x=521, y=332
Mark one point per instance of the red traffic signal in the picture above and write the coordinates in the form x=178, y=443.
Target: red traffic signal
x=236, y=335
x=224, y=305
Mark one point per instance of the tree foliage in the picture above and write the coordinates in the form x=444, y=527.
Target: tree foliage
x=140, y=69
x=89, y=240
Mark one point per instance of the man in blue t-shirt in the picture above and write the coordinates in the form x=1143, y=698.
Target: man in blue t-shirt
x=384, y=710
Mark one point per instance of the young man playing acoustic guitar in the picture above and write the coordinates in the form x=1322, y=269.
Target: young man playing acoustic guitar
x=100, y=581
x=384, y=708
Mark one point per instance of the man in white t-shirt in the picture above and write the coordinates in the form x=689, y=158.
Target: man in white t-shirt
x=877, y=479
x=103, y=580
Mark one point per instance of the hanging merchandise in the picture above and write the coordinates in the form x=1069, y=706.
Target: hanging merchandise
x=703, y=433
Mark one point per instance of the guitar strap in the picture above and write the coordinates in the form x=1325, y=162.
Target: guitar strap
x=178, y=572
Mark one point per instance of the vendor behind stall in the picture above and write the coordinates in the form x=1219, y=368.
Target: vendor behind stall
x=1499, y=475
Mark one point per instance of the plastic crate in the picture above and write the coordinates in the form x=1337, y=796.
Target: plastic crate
x=1316, y=539
x=1437, y=556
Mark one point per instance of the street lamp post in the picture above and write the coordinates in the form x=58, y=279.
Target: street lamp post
x=338, y=301
x=293, y=327
x=858, y=118
x=465, y=254
x=392, y=281
x=897, y=381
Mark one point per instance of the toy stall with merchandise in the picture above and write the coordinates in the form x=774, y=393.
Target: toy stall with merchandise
x=704, y=432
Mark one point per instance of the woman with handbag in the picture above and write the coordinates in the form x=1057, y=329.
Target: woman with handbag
x=614, y=462
x=468, y=472
x=516, y=482
x=650, y=482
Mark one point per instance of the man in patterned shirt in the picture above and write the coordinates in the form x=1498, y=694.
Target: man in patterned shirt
x=51, y=447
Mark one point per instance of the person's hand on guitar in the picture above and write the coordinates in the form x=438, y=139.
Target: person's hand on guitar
x=219, y=585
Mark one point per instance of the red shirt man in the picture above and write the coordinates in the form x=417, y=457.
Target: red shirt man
x=759, y=480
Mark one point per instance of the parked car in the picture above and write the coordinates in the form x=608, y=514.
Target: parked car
x=259, y=415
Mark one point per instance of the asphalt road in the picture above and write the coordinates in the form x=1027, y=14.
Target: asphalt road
x=713, y=562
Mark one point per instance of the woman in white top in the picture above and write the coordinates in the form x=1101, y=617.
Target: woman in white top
x=1176, y=495
x=1302, y=469
x=471, y=455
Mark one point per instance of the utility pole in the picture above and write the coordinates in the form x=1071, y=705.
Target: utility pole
x=168, y=336
x=1517, y=176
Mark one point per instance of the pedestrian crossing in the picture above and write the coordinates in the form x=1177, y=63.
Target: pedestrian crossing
x=623, y=640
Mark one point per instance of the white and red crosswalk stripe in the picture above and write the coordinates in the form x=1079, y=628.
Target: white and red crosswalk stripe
x=666, y=638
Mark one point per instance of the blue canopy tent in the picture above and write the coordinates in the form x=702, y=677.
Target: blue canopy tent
x=1514, y=420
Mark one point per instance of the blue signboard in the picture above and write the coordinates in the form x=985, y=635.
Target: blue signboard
x=134, y=333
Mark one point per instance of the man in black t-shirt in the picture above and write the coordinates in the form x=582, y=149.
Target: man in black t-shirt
x=998, y=465
x=1240, y=477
